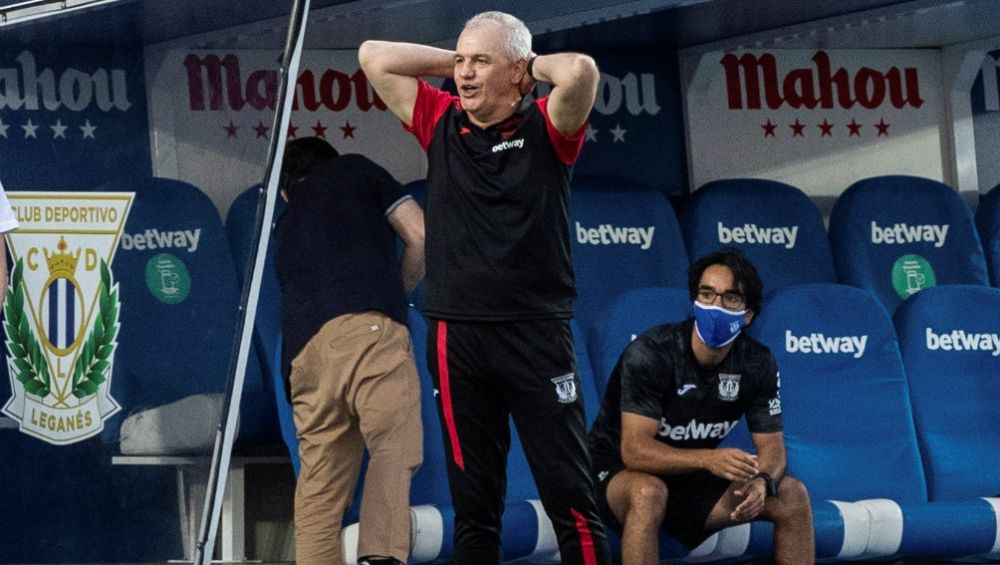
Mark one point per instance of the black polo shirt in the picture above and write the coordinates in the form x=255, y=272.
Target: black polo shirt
x=497, y=241
x=659, y=377
x=335, y=249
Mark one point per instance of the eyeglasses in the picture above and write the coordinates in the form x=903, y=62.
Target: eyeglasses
x=730, y=300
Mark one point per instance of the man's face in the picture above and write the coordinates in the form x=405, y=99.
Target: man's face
x=719, y=278
x=484, y=74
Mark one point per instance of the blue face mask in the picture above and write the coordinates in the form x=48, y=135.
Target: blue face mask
x=716, y=326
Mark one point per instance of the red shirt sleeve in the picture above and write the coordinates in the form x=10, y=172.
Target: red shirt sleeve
x=430, y=105
x=567, y=147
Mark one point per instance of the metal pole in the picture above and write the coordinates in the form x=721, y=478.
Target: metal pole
x=225, y=435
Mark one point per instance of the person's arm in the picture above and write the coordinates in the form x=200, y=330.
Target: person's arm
x=393, y=69
x=642, y=452
x=771, y=460
x=408, y=221
x=574, y=78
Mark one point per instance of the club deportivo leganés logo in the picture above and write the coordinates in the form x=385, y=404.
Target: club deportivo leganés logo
x=62, y=312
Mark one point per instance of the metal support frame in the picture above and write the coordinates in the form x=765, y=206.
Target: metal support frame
x=226, y=433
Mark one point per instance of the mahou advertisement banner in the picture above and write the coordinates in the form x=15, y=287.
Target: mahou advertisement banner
x=819, y=120
x=212, y=114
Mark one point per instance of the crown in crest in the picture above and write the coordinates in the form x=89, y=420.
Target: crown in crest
x=62, y=264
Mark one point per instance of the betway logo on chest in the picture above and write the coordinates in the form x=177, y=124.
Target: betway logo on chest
x=156, y=239
x=905, y=233
x=695, y=430
x=607, y=234
x=819, y=343
x=751, y=233
x=509, y=144
x=961, y=340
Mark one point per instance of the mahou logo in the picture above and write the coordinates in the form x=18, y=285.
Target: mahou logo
x=26, y=87
x=749, y=76
x=216, y=83
x=861, y=97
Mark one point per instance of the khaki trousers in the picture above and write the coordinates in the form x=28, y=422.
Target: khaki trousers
x=354, y=385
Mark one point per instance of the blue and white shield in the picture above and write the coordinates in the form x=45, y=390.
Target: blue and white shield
x=61, y=313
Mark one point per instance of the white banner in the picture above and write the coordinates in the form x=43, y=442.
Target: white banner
x=819, y=120
x=211, y=114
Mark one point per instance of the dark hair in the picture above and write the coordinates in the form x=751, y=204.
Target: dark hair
x=301, y=156
x=745, y=276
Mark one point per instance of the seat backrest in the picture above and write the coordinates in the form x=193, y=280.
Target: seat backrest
x=988, y=225
x=950, y=341
x=263, y=392
x=896, y=235
x=631, y=313
x=179, y=295
x=844, y=399
x=774, y=224
x=623, y=237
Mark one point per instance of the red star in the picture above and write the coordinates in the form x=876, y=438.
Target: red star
x=320, y=130
x=292, y=131
x=882, y=127
x=464, y=130
x=768, y=128
x=827, y=128
x=261, y=130
x=231, y=129
x=348, y=130
x=797, y=128
x=855, y=128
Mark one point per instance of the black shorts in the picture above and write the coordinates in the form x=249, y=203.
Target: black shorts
x=690, y=499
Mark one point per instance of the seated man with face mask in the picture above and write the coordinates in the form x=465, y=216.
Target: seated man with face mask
x=674, y=395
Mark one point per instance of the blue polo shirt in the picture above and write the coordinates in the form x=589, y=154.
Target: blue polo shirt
x=335, y=249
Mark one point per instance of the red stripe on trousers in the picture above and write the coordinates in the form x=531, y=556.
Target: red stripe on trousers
x=449, y=414
x=586, y=539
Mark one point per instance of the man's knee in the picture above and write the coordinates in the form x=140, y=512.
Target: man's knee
x=647, y=500
x=792, y=500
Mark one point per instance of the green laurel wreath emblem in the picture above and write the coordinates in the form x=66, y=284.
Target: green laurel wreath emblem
x=32, y=368
x=94, y=360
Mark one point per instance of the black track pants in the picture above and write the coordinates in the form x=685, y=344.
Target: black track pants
x=484, y=372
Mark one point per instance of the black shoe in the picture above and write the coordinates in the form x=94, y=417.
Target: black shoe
x=379, y=561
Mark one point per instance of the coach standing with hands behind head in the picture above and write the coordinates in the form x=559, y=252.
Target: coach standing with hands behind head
x=500, y=285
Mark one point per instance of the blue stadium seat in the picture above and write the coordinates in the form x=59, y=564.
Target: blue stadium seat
x=630, y=314
x=988, y=224
x=895, y=235
x=180, y=298
x=264, y=405
x=623, y=237
x=950, y=341
x=838, y=355
x=774, y=224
